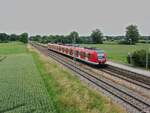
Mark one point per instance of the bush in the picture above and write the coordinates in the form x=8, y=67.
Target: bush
x=144, y=41
x=139, y=58
x=123, y=42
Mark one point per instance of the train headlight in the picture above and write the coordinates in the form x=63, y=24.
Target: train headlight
x=103, y=55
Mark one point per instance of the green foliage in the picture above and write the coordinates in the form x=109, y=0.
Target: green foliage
x=35, y=38
x=13, y=37
x=144, y=37
x=74, y=36
x=97, y=36
x=123, y=42
x=24, y=37
x=144, y=41
x=132, y=34
x=84, y=40
x=112, y=38
x=4, y=37
x=51, y=38
x=139, y=58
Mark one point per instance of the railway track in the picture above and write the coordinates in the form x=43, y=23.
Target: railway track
x=123, y=76
x=129, y=74
x=136, y=101
x=131, y=77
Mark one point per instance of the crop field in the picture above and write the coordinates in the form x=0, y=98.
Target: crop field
x=116, y=52
x=12, y=48
x=32, y=83
x=22, y=90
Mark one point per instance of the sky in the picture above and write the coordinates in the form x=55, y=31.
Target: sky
x=46, y=17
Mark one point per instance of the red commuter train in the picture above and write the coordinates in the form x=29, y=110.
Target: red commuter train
x=88, y=55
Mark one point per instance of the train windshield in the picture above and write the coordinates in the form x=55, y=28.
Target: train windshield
x=100, y=54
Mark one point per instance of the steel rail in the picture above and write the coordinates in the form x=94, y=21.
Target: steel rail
x=122, y=75
x=135, y=102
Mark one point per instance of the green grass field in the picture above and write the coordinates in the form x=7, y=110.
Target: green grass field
x=32, y=83
x=12, y=48
x=22, y=89
x=116, y=52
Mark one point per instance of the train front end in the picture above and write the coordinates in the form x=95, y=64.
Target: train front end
x=101, y=55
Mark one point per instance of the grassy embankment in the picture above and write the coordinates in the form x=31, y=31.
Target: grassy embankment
x=31, y=82
x=117, y=52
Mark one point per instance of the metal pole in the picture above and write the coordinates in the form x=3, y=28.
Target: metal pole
x=131, y=51
x=147, y=53
x=74, y=53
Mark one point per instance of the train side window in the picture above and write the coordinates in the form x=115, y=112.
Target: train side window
x=89, y=55
x=67, y=50
x=84, y=54
x=71, y=51
x=77, y=53
x=81, y=54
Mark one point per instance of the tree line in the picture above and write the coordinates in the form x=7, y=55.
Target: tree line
x=73, y=37
x=132, y=36
x=4, y=38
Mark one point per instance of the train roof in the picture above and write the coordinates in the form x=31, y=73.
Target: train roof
x=77, y=47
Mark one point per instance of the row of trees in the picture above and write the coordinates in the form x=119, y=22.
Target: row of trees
x=73, y=37
x=13, y=37
x=131, y=37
